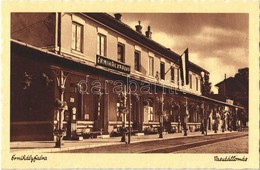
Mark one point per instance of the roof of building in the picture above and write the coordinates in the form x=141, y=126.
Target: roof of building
x=126, y=30
x=230, y=79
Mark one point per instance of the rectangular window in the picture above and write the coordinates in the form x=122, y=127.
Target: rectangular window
x=150, y=110
x=77, y=36
x=121, y=53
x=101, y=45
x=137, y=61
x=190, y=81
x=197, y=84
x=172, y=74
x=151, y=113
x=162, y=69
x=118, y=114
x=178, y=75
x=151, y=66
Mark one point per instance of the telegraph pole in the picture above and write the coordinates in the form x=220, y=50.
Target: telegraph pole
x=124, y=116
x=161, y=118
x=62, y=106
x=129, y=118
x=202, y=118
x=185, y=117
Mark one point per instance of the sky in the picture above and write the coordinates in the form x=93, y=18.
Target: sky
x=217, y=42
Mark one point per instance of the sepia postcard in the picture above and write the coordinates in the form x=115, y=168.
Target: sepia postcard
x=131, y=84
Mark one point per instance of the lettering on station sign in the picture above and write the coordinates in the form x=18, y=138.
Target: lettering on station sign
x=106, y=62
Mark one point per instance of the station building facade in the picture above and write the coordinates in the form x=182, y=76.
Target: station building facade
x=90, y=61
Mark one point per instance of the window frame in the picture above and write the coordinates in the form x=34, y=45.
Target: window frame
x=172, y=74
x=122, y=57
x=150, y=111
x=190, y=80
x=178, y=75
x=99, y=45
x=74, y=39
x=151, y=72
x=197, y=83
x=162, y=75
x=137, y=66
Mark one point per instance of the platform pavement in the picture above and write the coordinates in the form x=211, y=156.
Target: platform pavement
x=49, y=146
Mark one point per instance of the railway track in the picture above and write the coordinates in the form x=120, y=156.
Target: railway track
x=171, y=149
x=162, y=146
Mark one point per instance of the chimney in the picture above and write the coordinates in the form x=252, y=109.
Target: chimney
x=139, y=27
x=148, y=33
x=118, y=16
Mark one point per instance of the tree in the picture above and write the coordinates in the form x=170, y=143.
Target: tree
x=242, y=77
x=206, y=86
x=237, y=87
x=241, y=94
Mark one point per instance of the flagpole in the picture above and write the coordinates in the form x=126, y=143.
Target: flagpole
x=183, y=68
x=184, y=52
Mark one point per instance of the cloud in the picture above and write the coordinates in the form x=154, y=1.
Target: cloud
x=216, y=67
x=230, y=48
x=191, y=23
x=216, y=42
x=163, y=39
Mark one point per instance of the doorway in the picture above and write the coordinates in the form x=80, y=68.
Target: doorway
x=99, y=112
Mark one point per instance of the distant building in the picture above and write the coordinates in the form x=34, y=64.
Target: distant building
x=235, y=90
x=95, y=55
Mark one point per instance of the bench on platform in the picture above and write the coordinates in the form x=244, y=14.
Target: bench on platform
x=118, y=131
x=92, y=134
x=153, y=129
x=85, y=129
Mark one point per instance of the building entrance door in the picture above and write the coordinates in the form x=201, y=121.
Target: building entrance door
x=71, y=116
x=135, y=112
x=99, y=112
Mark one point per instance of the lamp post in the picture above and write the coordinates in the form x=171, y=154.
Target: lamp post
x=129, y=119
x=161, y=118
x=215, y=119
x=59, y=132
x=186, y=116
x=202, y=118
x=235, y=120
x=124, y=110
x=206, y=119
x=179, y=116
x=224, y=116
x=202, y=105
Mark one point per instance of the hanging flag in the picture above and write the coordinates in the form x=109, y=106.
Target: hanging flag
x=181, y=71
x=184, y=67
x=187, y=65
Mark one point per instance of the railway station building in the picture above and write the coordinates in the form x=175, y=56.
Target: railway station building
x=91, y=72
